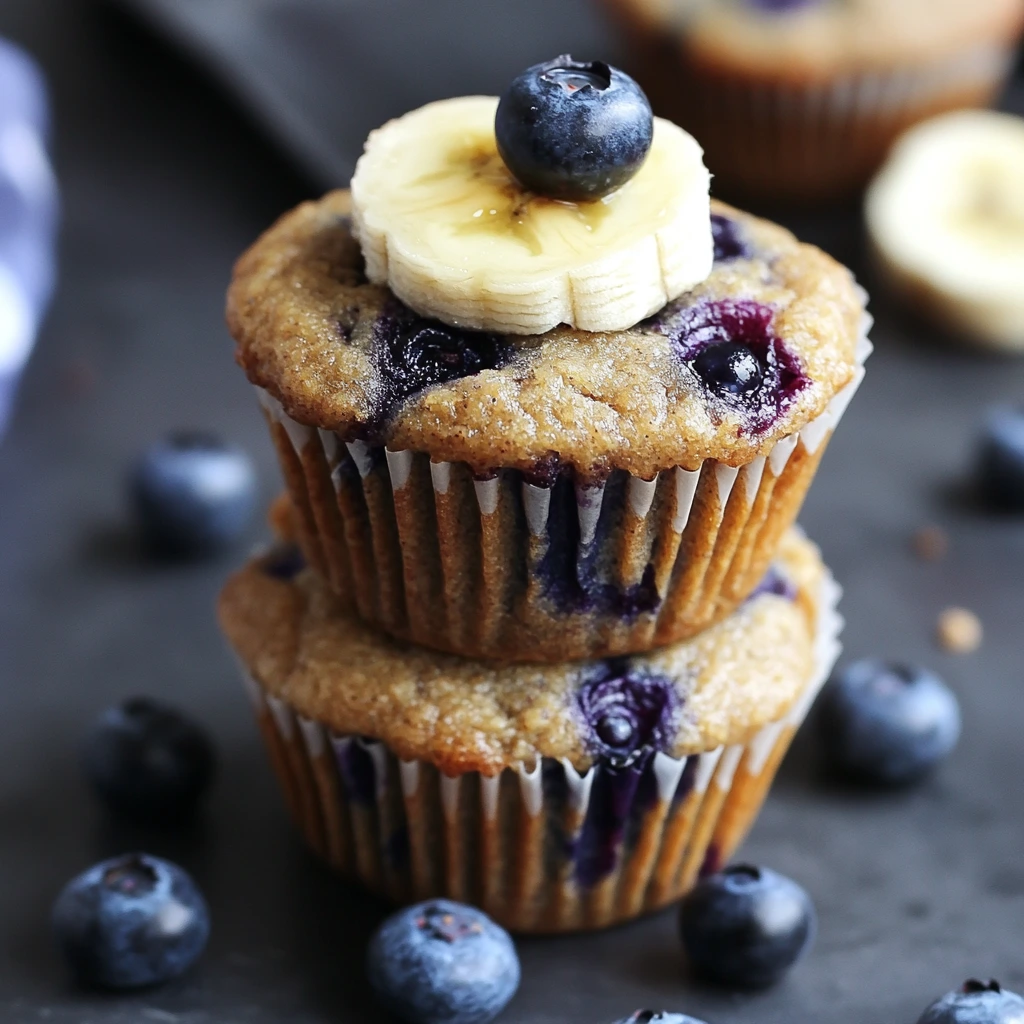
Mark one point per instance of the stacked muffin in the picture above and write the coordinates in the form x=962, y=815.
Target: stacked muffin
x=538, y=631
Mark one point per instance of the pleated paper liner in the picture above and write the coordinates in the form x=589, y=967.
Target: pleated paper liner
x=501, y=568
x=807, y=140
x=540, y=848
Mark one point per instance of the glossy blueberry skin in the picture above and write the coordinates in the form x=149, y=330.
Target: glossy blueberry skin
x=443, y=963
x=976, y=1002
x=147, y=761
x=658, y=1017
x=745, y=927
x=1001, y=459
x=572, y=130
x=886, y=724
x=131, y=922
x=729, y=367
x=192, y=495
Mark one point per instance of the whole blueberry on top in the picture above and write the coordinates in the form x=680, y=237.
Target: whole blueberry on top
x=443, y=963
x=627, y=713
x=413, y=353
x=886, y=724
x=130, y=922
x=746, y=926
x=147, y=761
x=572, y=130
x=1001, y=459
x=976, y=1002
x=731, y=347
x=729, y=242
x=192, y=494
x=658, y=1017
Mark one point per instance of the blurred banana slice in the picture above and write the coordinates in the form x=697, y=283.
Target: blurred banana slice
x=443, y=223
x=946, y=218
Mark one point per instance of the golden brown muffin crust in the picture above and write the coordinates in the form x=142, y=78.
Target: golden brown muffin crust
x=465, y=715
x=304, y=320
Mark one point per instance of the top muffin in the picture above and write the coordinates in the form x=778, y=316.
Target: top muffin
x=747, y=357
x=795, y=39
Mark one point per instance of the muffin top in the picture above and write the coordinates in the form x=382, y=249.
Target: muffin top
x=462, y=715
x=746, y=358
x=796, y=38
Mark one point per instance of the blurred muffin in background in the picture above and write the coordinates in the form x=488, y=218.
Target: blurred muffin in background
x=801, y=99
x=946, y=221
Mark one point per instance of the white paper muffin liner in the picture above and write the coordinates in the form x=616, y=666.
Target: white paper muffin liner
x=430, y=554
x=541, y=847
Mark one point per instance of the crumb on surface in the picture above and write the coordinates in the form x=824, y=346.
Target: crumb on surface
x=931, y=543
x=959, y=631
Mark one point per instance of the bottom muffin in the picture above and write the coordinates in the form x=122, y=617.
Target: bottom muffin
x=555, y=797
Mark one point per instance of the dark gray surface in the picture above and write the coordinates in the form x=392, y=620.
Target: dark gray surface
x=164, y=184
x=324, y=73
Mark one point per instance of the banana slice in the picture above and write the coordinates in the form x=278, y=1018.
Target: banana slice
x=442, y=222
x=946, y=217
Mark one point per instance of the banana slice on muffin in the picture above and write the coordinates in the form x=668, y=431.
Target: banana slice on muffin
x=565, y=202
x=946, y=217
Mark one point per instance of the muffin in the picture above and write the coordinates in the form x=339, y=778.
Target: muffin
x=801, y=99
x=554, y=797
x=570, y=495
x=946, y=221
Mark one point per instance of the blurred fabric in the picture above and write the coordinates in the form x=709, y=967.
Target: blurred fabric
x=323, y=73
x=28, y=214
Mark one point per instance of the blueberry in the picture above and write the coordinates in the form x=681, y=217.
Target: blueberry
x=731, y=348
x=729, y=243
x=147, y=761
x=887, y=724
x=1001, y=459
x=572, y=130
x=413, y=353
x=729, y=367
x=627, y=713
x=976, y=1002
x=192, y=494
x=443, y=963
x=746, y=926
x=658, y=1017
x=130, y=922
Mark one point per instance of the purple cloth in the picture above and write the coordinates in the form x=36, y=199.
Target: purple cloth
x=28, y=215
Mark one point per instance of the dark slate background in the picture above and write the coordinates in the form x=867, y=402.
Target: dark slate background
x=165, y=181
